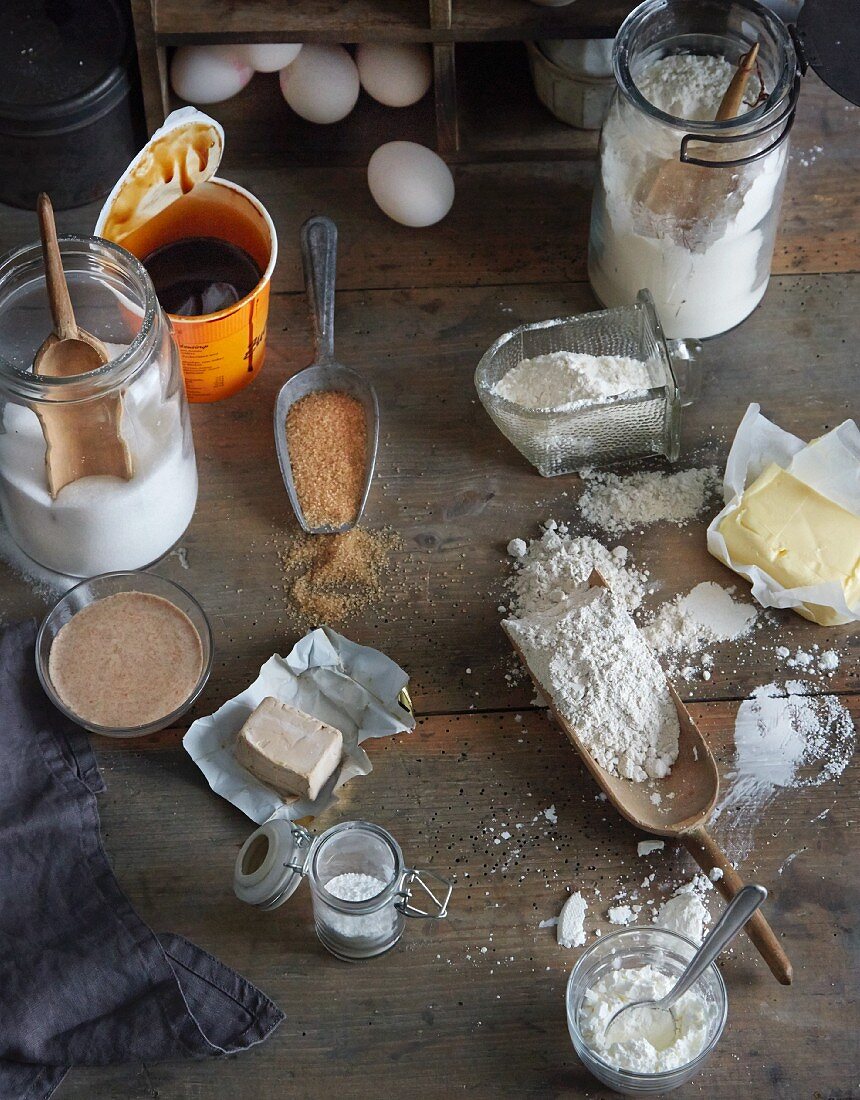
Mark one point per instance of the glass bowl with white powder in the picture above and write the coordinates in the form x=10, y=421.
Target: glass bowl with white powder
x=588, y=390
x=637, y=964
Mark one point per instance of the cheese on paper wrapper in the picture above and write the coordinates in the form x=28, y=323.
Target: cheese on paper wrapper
x=797, y=536
x=288, y=750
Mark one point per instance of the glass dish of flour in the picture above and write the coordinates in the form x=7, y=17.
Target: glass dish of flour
x=584, y=391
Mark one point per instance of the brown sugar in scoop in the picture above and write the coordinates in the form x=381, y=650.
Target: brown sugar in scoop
x=327, y=441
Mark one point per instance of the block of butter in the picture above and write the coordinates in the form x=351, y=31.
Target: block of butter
x=797, y=536
x=288, y=750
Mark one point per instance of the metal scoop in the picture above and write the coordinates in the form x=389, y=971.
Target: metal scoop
x=319, y=260
x=655, y=1019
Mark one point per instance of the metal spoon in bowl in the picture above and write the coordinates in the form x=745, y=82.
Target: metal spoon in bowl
x=319, y=260
x=656, y=1019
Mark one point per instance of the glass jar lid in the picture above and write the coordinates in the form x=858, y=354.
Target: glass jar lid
x=271, y=864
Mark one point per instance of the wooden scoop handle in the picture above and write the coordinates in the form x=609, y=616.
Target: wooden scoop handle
x=730, y=106
x=708, y=854
x=55, y=277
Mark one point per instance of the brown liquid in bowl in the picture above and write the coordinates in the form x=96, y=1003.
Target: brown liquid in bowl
x=126, y=660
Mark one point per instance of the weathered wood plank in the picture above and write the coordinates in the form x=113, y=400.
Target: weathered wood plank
x=458, y=492
x=476, y=1003
x=524, y=222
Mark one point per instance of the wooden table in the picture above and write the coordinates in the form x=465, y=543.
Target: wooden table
x=475, y=1004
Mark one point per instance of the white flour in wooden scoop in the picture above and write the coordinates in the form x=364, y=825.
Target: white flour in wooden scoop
x=589, y=658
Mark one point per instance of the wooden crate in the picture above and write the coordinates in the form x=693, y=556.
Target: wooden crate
x=483, y=105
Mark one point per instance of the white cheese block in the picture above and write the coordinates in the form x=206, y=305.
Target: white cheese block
x=288, y=750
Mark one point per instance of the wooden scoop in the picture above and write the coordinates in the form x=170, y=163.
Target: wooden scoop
x=688, y=192
x=82, y=438
x=688, y=795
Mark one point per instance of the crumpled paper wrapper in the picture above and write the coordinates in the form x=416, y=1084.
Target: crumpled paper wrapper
x=830, y=465
x=350, y=686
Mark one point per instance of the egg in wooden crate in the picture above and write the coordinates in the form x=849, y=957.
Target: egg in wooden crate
x=268, y=57
x=395, y=75
x=321, y=85
x=208, y=74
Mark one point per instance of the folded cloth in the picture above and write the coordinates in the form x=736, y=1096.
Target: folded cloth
x=84, y=980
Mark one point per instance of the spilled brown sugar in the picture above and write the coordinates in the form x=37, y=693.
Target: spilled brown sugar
x=327, y=442
x=332, y=578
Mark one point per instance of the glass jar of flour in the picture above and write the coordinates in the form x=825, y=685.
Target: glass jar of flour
x=101, y=522
x=361, y=890
x=685, y=205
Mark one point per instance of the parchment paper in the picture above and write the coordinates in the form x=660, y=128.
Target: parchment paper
x=830, y=465
x=352, y=687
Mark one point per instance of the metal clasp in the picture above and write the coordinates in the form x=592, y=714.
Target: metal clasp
x=303, y=840
x=413, y=877
x=787, y=116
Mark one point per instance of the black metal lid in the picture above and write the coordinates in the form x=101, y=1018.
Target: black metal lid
x=62, y=62
x=829, y=33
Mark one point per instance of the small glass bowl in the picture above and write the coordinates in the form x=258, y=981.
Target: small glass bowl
x=110, y=584
x=597, y=433
x=667, y=951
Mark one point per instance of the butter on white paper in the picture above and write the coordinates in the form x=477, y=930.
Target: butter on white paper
x=349, y=686
x=830, y=465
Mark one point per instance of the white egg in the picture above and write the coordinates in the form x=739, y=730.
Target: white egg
x=410, y=183
x=395, y=75
x=321, y=85
x=208, y=74
x=265, y=57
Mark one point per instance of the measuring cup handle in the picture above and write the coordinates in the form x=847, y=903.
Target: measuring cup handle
x=708, y=854
x=319, y=261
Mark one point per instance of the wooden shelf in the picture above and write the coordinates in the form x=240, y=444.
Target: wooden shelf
x=500, y=116
x=186, y=21
x=496, y=20
x=487, y=112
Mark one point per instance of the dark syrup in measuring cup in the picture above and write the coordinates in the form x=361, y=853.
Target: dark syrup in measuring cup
x=199, y=275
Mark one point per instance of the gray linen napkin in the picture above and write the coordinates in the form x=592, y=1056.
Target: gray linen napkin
x=83, y=981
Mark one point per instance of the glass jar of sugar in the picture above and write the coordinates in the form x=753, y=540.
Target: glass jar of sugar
x=686, y=205
x=361, y=890
x=101, y=522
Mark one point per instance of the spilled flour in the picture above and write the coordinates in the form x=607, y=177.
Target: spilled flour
x=554, y=566
x=784, y=739
x=616, y=503
x=707, y=614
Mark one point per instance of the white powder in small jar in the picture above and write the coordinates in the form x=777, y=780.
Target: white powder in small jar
x=566, y=380
x=632, y=1046
x=354, y=886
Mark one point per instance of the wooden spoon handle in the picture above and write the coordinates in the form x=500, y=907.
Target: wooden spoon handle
x=55, y=277
x=708, y=854
x=730, y=106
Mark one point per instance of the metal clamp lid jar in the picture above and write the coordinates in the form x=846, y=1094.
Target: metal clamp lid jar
x=360, y=888
x=686, y=206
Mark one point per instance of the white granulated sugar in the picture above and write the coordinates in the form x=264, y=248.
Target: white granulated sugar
x=617, y=503
x=555, y=565
x=705, y=615
x=633, y=1045
x=646, y=847
x=354, y=886
x=571, y=922
x=589, y=658
x=688, y=86
x=565, y=380
x=784, y=739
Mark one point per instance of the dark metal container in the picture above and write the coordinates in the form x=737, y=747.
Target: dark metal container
x=70, y=119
